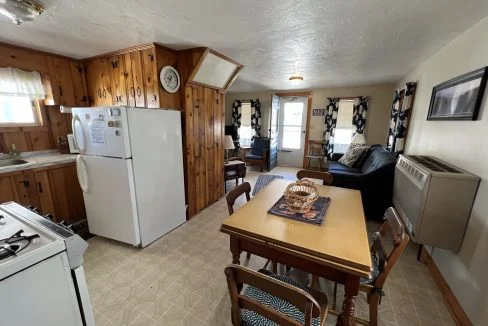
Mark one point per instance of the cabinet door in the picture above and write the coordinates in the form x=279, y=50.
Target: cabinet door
x=44, y=192
x=66, y=194
x=93, y=82
x=129, y=80
x=105, y=82
x=118, y=79
x=79, y=83
x=137, y=79
x=150, y=77
x=63, y=83
x=26, y=189
x=7, y=190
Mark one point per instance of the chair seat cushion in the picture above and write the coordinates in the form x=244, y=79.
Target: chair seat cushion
x=374, y=273
x=254, y=157
x=250, y=318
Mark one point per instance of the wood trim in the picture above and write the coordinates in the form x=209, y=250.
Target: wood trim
x=307, y=129
x=39, y=51
x=298, y=94
x=455, y=308
x=123, y=51
x=220, y=55
x=192, y=83
x=234, y=77
x=197, y=66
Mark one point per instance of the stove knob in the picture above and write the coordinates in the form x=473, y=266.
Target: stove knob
x=2, y=220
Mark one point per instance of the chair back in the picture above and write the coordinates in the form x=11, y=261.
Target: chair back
x=393, y=228
x=236, y=193
x=259, y=146
x=238, y=275
x=326, y=177
x=315, y=148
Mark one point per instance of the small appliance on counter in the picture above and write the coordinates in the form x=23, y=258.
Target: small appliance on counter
x=41, y=271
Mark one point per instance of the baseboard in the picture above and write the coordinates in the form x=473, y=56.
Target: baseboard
x=455, y=308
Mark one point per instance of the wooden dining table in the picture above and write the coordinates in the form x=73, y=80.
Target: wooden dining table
x=337, y=250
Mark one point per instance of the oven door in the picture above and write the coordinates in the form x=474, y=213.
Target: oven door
x=83, y=297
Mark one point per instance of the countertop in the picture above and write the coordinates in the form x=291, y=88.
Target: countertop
x=37, y=160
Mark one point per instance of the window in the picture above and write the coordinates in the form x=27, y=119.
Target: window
x=292, y=125
x=344, y=128
x=18, y=111
x=19, y=95
x=245, y=132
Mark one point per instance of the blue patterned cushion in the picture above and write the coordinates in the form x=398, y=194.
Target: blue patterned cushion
x=250, y=318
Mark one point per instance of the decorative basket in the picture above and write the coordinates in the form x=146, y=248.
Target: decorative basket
x=301, y=195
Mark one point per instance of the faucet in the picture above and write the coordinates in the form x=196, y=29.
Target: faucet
x=13, y=151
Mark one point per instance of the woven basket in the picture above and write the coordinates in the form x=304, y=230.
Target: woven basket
x=301, y=195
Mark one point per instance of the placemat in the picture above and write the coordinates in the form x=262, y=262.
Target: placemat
x=315, y=215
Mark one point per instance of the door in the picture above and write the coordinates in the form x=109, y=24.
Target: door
x=109, y=194
x=150, y=77
x=101, y=131
x=273, y=131
x=118, y=79
x=63, y=83
x=79, y=83
x=7, y=189
x=293, y=117
x=44, y=193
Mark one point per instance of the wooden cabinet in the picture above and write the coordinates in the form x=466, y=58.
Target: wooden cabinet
x=62, y=82
x=79, y=83
x=150, y=77
x=135, y=79
x=98, y=82
x=53, y=190
x=118, y=79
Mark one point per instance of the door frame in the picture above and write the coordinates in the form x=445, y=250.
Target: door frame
x=309, y=113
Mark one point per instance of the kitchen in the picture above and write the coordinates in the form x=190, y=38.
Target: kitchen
x=120, y=187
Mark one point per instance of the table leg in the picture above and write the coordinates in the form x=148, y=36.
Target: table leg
x=235, y=250
x=346, y=318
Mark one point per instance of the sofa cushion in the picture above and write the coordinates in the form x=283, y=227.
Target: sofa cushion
x=336, y=166
x=353, y=154
x=254, y=157
x=378, y=158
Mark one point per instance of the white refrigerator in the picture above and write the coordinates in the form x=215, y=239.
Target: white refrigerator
x=130, y=169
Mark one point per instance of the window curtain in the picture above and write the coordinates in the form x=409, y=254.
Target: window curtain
x=330, y=125
x=399, y=117
x=360, y=113
x=236, y=115
x=256, y=118
x=16, y=82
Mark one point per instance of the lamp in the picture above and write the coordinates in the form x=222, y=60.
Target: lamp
x=358, y=139
x=20, y=11
x=228, y=144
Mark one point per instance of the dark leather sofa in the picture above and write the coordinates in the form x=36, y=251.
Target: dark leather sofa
x=374, y=178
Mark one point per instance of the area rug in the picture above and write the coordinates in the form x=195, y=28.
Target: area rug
x=263, y=181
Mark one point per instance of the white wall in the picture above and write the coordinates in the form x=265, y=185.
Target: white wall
x=463, y=143
x=381, y=96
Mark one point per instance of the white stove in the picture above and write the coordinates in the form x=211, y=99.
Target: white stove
x=41, y=268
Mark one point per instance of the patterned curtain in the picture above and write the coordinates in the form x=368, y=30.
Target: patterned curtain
x=256, y=118
x=399, y=118
x=236, y=115
x=330, y=124
x=360, y=113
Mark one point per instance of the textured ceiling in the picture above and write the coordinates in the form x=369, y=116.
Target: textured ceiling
x=331, y=42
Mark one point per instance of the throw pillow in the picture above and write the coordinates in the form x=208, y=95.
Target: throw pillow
x=353, y=154
x=359, y=163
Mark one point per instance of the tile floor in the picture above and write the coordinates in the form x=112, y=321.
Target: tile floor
x=179, y=279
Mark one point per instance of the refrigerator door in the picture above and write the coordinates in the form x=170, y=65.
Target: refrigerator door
x=157, y=155
x=101, y=131
x=108, y=190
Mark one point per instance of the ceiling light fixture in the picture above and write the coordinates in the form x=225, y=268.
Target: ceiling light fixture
x=296, y=79
x=20, y=11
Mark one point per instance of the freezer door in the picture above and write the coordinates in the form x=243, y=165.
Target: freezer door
x=108, y=190
x=101, y=131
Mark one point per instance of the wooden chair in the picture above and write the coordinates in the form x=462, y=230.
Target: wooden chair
x=326, y=177
x=231, y=197
x=273, y=297
x=258, y=153
x=382, y=263
x=315, y=152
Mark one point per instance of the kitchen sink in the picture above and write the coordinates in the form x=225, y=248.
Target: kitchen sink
x=5, y=163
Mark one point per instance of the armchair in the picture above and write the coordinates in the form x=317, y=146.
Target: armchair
x=258, y=153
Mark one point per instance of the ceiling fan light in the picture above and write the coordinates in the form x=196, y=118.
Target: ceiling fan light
x=20, y=11
x=296, y=79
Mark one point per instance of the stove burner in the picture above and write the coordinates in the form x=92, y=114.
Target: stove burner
x=11, y=246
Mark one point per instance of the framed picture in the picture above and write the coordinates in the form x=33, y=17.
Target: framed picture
x=459, y=98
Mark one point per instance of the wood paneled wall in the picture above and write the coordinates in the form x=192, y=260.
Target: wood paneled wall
x=204, y=115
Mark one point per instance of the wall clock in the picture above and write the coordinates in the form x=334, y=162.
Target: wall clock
x=170, y=79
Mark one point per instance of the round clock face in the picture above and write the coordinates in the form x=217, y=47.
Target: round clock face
x=170, y=80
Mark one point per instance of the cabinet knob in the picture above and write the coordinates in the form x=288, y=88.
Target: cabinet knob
x=139, y=91
x=99, y=93
x=132, y=91
x=104, y=93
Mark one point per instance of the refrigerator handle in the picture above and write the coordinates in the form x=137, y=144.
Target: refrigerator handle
x=76, y=118
x=80, y=165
